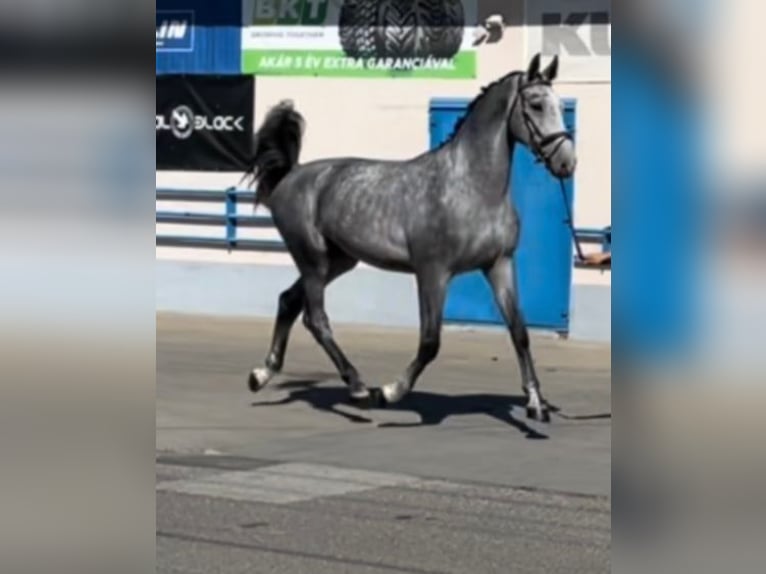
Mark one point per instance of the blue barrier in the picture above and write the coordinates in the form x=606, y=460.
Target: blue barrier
x=602, y=237
x=230, y=221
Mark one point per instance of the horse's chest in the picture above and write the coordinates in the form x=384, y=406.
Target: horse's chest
x=485, y=237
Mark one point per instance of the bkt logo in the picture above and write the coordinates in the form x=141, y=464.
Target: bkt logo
x=291, y=12
x=183, y=123
x=175, y=31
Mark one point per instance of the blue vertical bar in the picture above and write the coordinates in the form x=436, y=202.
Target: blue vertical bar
x=231, y=217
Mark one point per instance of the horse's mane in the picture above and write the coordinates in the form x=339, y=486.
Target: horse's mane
x=482, y=94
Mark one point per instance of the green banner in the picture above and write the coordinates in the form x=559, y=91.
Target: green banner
x=359, y=38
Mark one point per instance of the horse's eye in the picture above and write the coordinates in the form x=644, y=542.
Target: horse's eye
x=536, y=106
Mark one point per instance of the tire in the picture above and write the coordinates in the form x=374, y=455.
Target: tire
x=401, y=28
x=357, y=27
x=444, y=26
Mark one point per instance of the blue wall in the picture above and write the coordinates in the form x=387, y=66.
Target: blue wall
x=198, y=36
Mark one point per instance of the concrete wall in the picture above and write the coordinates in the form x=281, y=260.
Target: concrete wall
x=389, y=119
x=364, y=296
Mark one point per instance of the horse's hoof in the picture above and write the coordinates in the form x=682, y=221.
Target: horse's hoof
x=371, y=400
x=394, y=392
x=540, y=415
x=259, y=378
x=378, y=399
x=252, y=383
x=360, y=395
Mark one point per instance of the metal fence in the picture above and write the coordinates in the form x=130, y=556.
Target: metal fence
x=601, y=237
x=232, y=222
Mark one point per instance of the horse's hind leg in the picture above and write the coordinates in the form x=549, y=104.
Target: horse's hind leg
x=503, y=282
x=289, y=307
x=315, y=278
x=291, y=303
x=432, y=286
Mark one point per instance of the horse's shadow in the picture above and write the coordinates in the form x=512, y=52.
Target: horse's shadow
x=433, y=408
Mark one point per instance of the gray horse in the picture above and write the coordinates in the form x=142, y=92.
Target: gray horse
x=442, y=213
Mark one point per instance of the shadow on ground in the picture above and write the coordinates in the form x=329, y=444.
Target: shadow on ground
x=432, y=408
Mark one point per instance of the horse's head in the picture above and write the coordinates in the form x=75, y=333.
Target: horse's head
x=536, y=119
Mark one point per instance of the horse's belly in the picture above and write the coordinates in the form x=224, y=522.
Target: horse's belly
x=384, y=250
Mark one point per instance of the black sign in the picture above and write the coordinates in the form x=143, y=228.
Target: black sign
x=204, y=123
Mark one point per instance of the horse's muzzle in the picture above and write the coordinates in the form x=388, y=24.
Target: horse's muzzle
x=564, y=162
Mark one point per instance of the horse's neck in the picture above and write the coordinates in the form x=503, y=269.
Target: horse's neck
x=482, y=149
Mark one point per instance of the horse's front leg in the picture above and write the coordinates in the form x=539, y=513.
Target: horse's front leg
x=432, y=286
x=501, y=277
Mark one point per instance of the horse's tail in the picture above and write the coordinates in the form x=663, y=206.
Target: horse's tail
x=277, y=145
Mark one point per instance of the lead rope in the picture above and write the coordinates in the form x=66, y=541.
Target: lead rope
x=570, y=223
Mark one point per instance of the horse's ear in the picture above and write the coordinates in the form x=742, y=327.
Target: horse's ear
x=534, y=68
x=552, y=71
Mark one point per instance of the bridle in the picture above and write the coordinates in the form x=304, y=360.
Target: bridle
x=538, y=142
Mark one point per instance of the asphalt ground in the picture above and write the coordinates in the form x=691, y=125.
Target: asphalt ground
x=455, y=479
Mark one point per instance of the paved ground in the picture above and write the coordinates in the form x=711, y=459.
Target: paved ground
x=454, y=480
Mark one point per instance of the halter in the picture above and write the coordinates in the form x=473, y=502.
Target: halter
x=538, y=143
x=538, y=140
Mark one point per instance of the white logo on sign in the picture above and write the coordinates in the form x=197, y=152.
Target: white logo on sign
x=182, y=122
x=174, y=31
x=171, y=30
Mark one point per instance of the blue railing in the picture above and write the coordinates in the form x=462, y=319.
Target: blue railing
x=230, y=220
x=602, y=237
x=599, y=236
